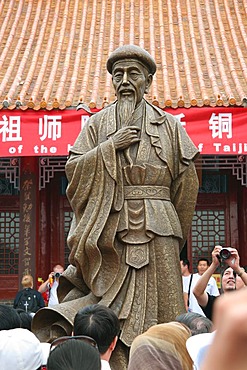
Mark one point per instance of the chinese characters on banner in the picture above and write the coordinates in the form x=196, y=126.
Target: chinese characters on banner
x=214, y=131
x=27, y=217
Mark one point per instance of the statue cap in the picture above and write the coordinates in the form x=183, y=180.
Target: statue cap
x=131, y=52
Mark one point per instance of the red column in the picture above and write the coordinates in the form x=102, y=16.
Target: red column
x=29, y=216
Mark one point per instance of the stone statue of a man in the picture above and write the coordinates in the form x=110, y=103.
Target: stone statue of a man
x=133, y=187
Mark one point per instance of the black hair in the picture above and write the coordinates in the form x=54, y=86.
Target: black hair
x=74, y=354
x=25, y=317
x=9, y=318
x=203, y=259
x=195, y=322
x=225, y=267
x=185, y=262
x=98, y=322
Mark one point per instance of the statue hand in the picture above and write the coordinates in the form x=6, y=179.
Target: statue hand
x=125, y=136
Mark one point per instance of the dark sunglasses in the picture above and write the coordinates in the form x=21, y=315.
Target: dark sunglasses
x=83, y=338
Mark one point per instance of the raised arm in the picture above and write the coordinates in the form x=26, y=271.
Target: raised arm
x=45, y=285
x=200, y=287
x=234, y=263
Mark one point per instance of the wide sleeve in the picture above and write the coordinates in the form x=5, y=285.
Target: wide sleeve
x=174, y=147
x=184, y=191
x=92, y=174
x=185, y=184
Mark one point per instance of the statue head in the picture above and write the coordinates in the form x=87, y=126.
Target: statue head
x=132, y=70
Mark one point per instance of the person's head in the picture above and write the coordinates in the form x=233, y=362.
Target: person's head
x=58, y=268
x=100, y=323
x=162, y=346
x=228, y=280
x=74, y=354
x=132, y=69
x=27, y=281
x=185, y=266
x=202, y=265
x=197, y=323
x=9, y=318
x=25, y=317
x=57, y=271
x=20, y=349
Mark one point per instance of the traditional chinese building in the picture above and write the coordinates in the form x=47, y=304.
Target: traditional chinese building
x=52, y=59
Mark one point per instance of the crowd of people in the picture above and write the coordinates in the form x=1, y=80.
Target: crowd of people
x=192, y=341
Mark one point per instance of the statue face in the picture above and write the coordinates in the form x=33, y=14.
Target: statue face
x=130, y=80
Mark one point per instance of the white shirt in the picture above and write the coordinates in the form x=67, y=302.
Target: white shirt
x=211, y=289
x=105, y=365
x=53, y=299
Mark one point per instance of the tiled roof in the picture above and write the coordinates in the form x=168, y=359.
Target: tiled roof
x=53, y=53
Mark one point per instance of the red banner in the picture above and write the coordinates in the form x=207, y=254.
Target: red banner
x=214, y=131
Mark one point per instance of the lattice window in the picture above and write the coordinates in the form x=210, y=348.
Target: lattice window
x=6, y=187
x=236, y=163
x=9, y=168
x=213, y=183
x=48, y=166
x=67, y=221
x=9, y=242
x=208, y=229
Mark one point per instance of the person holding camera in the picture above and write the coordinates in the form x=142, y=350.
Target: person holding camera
x=231, y=273
x=189, y=282
x=51, y=285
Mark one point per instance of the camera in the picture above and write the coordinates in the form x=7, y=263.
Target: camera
x=57, y=275
x=225, y=253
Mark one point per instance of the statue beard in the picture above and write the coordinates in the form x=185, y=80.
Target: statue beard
x=126, y=109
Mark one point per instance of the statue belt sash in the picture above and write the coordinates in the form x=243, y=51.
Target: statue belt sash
x=137, y=256
x=146, y=192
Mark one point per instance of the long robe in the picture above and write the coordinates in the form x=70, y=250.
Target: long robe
x=131, y=220
x=132, y=212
